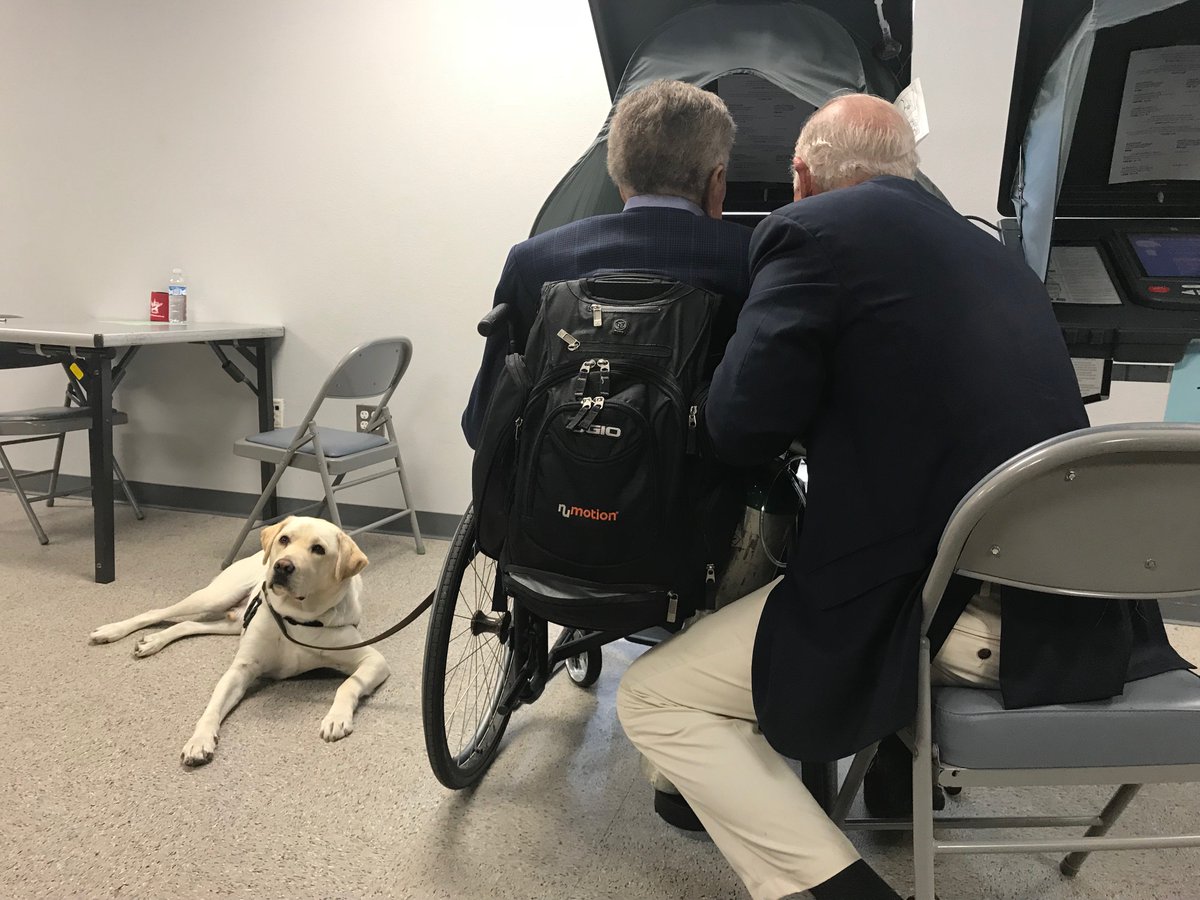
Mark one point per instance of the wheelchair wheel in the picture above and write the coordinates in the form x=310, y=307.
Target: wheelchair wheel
x=468, y=665
x=585, y=668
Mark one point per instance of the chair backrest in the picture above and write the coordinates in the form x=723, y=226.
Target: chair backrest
x=1109, y=512
x=369, y=370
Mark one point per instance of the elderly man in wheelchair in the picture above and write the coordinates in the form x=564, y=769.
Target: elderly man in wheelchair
x=665, y=277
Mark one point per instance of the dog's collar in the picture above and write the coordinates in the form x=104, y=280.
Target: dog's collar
x=258, y=599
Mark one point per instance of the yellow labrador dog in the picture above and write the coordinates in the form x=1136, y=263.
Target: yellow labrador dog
x=309, y=575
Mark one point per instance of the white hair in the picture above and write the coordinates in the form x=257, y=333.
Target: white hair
x=843, y=147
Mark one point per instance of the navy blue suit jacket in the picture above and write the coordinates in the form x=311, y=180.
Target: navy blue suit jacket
x=671, y=243
x=912, y=353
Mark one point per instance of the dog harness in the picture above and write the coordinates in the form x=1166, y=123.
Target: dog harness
x=257, y=601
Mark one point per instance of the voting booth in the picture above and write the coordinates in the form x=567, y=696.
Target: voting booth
x=772, y=63
x=1101, y=178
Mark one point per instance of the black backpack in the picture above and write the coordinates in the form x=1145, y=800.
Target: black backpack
x=585, y=481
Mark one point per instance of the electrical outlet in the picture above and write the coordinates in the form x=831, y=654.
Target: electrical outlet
x=362, y=417
x=277, y=412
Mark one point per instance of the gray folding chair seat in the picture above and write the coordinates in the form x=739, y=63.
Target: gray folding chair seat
x=371, y=370
x=335, y=444
x=1109, y=513
x=1156, y=722
x=51, y=420
x=44, y=423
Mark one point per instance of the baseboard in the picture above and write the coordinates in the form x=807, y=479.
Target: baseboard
x=1181, y=612
x=238, y=504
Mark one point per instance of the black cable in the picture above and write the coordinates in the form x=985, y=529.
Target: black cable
x=983, y=222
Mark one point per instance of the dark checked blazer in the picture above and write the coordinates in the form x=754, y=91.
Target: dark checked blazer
x=912, y=354
x=670, y=243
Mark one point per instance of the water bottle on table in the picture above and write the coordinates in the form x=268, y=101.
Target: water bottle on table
x=177, y=297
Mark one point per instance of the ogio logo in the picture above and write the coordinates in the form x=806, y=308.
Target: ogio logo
x=596, y=515
x=609, y=431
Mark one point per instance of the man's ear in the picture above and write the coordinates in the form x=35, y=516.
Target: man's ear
x=268, y=534
x=802, y=181
x=350, y=560
x=714, y=192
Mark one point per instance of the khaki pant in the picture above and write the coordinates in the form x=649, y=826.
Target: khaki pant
x=687, y=707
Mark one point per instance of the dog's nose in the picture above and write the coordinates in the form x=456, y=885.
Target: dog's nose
x=285, y=567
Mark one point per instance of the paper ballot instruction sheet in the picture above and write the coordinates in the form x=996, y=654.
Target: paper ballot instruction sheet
x=1090, y=375
x=911, y=104
x=1158, y=132
x=1077, y=275
x=768, y=120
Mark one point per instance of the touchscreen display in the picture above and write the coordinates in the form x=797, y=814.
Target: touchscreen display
x=1168, y=255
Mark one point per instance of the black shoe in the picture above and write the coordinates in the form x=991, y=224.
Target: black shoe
x=887, y=787
x=676, y=811
x=858, y=881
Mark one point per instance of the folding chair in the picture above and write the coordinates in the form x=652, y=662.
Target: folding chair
x=370, y=370
x=52, y=423
x=1111, y=513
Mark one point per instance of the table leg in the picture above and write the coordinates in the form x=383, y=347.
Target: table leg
x=266, y=418
x=100, y=446
x=821, y=781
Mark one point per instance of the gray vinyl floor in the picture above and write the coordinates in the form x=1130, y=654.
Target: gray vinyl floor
x=94, y=802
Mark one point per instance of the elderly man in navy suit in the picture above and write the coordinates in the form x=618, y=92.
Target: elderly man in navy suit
x=912, y=353
x=668, y=150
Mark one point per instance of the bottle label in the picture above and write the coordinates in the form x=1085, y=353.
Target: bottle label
x=177, y=289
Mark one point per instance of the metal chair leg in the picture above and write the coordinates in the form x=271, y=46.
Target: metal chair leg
x=852, y=785
x=1072, y=862
x=922, y=781
x=58, y=452
x=325, y=502
x=252, y=519
x=412, y=516
x=22, y=499
x=137, y=510
x=326, y=481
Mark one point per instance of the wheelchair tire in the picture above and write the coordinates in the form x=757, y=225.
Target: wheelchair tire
x=585, y=668
x=468, y=664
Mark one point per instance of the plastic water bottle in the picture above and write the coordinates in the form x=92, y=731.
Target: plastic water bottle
x=177, y=299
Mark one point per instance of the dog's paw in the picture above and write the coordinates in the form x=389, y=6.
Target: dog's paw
x=106, y=634
x=148, y=646
x=337, y=725
x=199, y=750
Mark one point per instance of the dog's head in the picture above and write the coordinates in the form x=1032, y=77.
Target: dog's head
x=309, y=562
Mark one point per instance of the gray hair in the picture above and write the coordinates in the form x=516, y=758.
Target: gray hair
x=845, y=143
x=667, y=138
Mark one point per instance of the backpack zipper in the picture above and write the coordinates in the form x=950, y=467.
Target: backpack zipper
x=598, y=309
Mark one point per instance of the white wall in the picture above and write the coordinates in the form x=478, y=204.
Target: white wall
x=963, y=52
x=351, y=170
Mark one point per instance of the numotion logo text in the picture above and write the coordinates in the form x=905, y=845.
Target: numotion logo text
x=596, y=515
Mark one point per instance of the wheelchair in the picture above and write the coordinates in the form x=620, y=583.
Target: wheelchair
x=487, y=653
x=485, y=656
x=484, y=659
